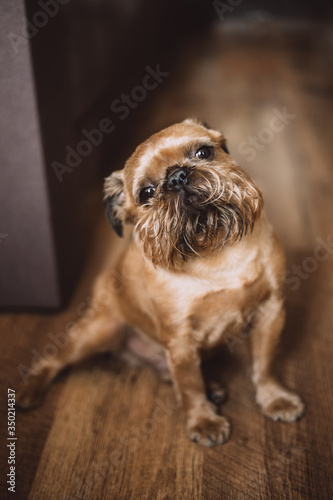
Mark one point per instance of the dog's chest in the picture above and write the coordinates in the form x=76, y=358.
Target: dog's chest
x=213, y=299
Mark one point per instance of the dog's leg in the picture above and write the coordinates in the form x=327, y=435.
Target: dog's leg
x=96, y=332
x=204, y=426
x=276, y=402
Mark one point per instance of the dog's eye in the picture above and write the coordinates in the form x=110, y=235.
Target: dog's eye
x=146, y=193
x=204, y=153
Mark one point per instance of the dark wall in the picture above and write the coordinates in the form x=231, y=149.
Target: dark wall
x=28, y=267
x=60, y=75
x=277, y=9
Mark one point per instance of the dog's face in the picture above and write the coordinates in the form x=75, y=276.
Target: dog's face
x=183, y=193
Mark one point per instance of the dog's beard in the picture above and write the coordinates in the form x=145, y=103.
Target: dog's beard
x=218, y=207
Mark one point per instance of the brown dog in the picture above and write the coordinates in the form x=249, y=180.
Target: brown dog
x=203, y=263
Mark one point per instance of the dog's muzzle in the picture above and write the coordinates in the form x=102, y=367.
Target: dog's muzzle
x=177, y=178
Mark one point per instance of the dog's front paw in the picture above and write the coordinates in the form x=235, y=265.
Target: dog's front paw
x=279, y=404
x=209, y=430
x=286, y=408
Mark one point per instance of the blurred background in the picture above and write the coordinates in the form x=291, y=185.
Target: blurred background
x=83, y=82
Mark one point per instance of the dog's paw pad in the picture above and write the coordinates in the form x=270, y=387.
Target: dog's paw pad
x=210, y=431
x=31, y=396
x=285, y=408
x=27, y=400
x=216, y=393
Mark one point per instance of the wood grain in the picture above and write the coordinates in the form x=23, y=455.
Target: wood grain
x=107, y=431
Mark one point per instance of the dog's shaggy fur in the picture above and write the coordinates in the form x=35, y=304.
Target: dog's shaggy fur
x=203, y=264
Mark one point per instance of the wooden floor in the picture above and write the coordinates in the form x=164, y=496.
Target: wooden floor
x=97, y=436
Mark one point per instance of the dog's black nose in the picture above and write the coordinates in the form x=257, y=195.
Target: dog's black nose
x=177, y=179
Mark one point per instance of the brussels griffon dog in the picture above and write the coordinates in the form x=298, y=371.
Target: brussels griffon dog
x=203, y=264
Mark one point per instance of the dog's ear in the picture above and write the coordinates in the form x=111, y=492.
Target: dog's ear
x=198, y=121
x=114, y=199
x=223, y=141
x=224, y=147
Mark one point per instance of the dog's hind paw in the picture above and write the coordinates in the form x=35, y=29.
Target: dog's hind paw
x=209, y=431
